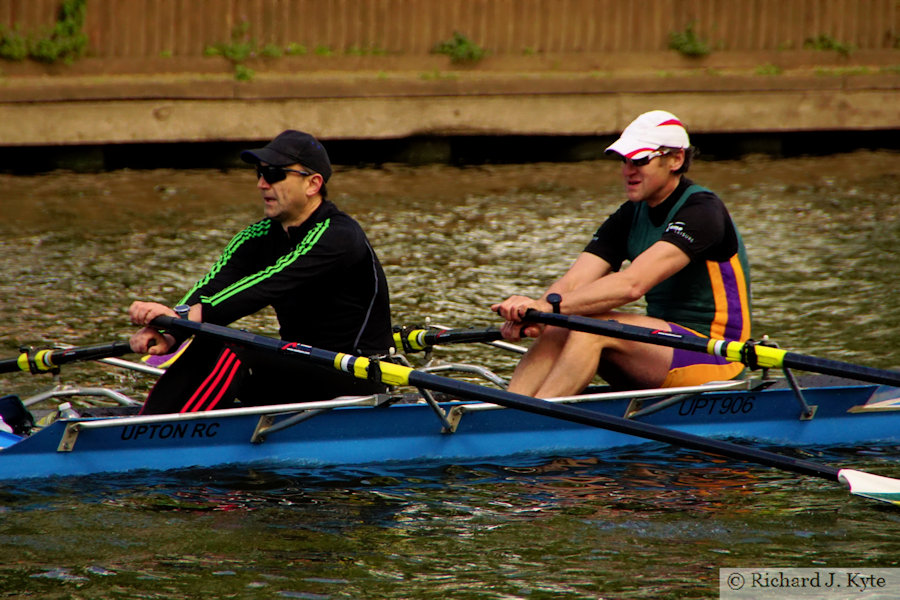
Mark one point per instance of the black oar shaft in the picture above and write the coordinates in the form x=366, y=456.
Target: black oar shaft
x=38, y=361
x=618, y=424
x=827, y=366
x=393, y=374
x=420, y=339
x=751, y=355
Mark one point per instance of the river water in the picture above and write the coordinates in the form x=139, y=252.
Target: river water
x=651, y=522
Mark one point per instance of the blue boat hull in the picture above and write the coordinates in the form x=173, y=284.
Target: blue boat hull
x=405, y=433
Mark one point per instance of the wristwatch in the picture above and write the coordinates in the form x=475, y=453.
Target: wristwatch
x=182, y=310
x=554, y=300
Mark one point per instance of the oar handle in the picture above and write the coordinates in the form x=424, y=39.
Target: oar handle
x=43, y=361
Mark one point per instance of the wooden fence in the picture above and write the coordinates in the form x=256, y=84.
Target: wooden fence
x=135, y=29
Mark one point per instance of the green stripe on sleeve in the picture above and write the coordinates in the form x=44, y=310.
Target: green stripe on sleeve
x=253, y=231
x=280, y=265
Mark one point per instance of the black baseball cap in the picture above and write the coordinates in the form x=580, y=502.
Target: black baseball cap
x=291, y=147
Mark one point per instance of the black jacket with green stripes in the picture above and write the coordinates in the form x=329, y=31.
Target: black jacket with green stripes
x=322, y=277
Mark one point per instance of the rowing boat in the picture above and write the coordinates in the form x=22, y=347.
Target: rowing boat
x=405, y=427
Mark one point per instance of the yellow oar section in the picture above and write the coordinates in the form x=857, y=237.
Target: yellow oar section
x=765, y=356
x=360, y=367
x=880, y=488
x=44, y=361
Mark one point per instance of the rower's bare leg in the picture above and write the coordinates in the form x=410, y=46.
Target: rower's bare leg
x=575, y=367
x=635, y=365
x=563, y=365
x=534, y=367
x=632, y=365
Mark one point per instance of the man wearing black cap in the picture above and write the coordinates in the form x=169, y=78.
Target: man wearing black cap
x=309, y=261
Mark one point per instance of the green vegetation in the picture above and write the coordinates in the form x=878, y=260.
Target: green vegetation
x=688, y=43
x=827, y=43
x=769, y=69
x=65, y=41
x=295, y=49
x=365, y=51
x=13, y=45
x=436, y=75
x=460, y=49
x=271, y=51
x=242, y=47
x=243, y=72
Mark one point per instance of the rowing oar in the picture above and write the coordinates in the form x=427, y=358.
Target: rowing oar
x=752, y=354
x=42, y=361
x=859, y=482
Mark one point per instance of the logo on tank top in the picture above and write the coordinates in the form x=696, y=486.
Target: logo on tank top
x=677, y=228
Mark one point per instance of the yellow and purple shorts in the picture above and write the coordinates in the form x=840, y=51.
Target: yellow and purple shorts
x=695, y=368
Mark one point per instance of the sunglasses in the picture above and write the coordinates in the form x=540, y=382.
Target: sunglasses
x=642, y=162
x=273, y=174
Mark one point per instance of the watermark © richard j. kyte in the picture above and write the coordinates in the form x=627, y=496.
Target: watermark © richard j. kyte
x=826, y=583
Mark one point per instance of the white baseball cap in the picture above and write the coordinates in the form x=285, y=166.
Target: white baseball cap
x=651, y=131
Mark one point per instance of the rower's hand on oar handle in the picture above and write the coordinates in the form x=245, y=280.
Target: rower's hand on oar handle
x=149, y=340
x=514, y=332
x=142, y=313
x=515, y=309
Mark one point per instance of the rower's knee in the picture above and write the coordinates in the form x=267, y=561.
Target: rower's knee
x=556, y=334
x=552, y=339
x=587, y=342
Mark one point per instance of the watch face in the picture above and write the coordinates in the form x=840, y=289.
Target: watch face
x=182, y=310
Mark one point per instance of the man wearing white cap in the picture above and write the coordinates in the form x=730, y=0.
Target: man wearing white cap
x=687, y=260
